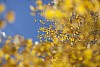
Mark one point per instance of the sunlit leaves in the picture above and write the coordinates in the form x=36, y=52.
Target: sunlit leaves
x=72, y=39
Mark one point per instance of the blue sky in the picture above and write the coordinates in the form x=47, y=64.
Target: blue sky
x=24, y=23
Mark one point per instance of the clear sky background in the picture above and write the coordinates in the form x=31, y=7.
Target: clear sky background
x=24, y=23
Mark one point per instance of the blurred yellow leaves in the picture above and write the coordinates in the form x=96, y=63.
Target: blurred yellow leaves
x=10, y=17
x=2, y=8
x=96, y=5
x=32, y=8
x=76, y=22
x=7, y=56
x=49, y=14
x=52, y=13
x=40, y=7
x=39, y=2
x=49, y=54
x=2, y=24
x=71, y=40
x=67, y=5
x=1, y=53
x=81, y=9
x=88, y=54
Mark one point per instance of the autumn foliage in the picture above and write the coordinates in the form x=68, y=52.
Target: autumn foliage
x=71, y=40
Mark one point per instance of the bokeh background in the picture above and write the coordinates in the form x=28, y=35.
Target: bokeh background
x=24, y=23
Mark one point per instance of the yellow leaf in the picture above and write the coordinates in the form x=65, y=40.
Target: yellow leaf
x=10, y=17
x=2, y=8
x=81, y=9
x=2, y=24
x=32, y=8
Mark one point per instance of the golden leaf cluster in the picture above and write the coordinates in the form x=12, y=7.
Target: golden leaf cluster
x=70, y=37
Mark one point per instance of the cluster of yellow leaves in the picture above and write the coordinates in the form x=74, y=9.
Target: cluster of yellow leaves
x=53, y=13
x=75, y=19
x=67, y=7
x=72, y=41
x=10, y=16
x=24, y=53
x=77, y=23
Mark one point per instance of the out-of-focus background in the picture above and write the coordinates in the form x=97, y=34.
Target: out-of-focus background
x=24, y=23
